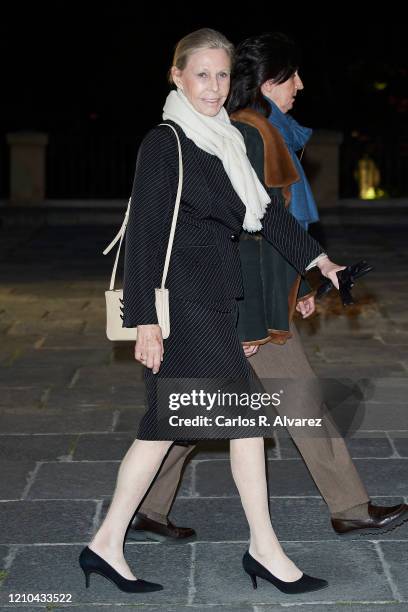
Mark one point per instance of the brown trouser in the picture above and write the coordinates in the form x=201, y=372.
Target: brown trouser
x=325, y=454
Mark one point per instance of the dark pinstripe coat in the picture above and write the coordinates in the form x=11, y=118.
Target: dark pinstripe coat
x=205, y=263
x=204, y=276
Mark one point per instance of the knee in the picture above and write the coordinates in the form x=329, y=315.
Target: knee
x=153, y=445
x=246, y=443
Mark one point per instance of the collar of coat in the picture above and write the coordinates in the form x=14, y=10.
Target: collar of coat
x=279, y=169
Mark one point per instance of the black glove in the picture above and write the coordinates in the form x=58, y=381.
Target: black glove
x=346, y=281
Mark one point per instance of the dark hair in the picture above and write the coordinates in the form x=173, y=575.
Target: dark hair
x=272, y=55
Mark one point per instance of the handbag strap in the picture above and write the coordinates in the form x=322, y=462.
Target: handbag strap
x=119, y=236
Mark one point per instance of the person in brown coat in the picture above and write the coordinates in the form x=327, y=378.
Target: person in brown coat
x=266, y=72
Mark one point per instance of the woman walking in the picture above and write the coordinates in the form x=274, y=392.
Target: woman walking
x=221, y=195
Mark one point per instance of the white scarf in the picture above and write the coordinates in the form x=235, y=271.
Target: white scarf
x=217, y=136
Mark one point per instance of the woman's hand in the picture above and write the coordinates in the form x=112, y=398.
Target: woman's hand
x=306, y=307
x=328, y=269
x=149, y=346
x=250, y=349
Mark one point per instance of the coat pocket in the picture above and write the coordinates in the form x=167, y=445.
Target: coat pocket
x=196, y=273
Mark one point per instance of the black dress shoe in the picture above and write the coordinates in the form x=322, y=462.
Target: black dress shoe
x=90, y=563
x=305, y=584
x=380, y=520
x=144, y=528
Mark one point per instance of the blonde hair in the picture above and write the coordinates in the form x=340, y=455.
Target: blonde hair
x=206, y=38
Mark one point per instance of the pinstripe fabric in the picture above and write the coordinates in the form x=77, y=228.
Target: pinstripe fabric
x=279, y=227
x=204, y=275
x=205, y=265
x=203, y=343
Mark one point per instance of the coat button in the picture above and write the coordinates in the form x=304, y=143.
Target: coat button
x=234, y=237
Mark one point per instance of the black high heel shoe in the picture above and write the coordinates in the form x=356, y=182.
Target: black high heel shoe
x=91, y=562
x=303, y=585
x=346, y=281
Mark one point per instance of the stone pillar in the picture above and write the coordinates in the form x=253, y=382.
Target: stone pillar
x=27, y=167
x=322, y=164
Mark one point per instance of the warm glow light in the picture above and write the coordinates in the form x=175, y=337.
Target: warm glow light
x=380, y=86
x=368, y=176
x=368, y=194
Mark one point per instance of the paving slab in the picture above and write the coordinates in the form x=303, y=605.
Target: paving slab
x=63, y=398
x=58, y=340
x=357, y=575
x=400, y=441
x=168, y=608
x=396, y=560
x=36, y=376
x=104, y=446
x=75, y=480
x=383, y=417
x=394, y=338
x=14, y=477
x=33, y=522
x=13, y=308
x=214, y=479
x=41, y=326
x=81, y=480
x=36, y=447
x=381, y=477
x=364, y=444
x=388, y=391
x=26, y=397
x=293, y=518
x=112, y=375
x=374, y=352
x=126, y=396
x=129, y=419
x=44, y=357
x=4, y=551
x=384, y=476
x=54, y=421
x=354, y=415
x=314, y=331
x=372, y=606
x=96, y=326
x=364, y=342
x=357, y=371
x=12, y=348
x=63, y=575
x=344, y=326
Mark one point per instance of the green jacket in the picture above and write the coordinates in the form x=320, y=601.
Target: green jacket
x=271, y=285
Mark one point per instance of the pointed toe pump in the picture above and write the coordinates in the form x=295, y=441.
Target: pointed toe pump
x=303, y=585
x=90, y=563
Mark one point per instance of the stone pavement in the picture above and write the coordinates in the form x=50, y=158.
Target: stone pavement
x=69, y=407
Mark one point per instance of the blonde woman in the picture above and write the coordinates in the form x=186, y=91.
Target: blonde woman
x=221, y=195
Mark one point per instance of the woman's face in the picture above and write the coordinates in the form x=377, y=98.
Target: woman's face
x=205, y=80
x=283, y=94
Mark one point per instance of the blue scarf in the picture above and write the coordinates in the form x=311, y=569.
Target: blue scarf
x=302, y=204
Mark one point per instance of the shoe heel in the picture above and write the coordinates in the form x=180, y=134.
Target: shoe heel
x=253, y=578
x=87, y=578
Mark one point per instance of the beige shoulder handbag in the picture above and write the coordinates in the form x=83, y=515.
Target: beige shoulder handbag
x=114, y=297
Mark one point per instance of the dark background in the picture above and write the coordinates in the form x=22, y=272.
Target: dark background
x=93, y=77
